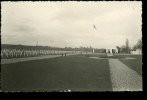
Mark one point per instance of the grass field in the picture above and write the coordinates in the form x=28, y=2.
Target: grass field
x=135, y=64
x=75, y=72
x=57, y=74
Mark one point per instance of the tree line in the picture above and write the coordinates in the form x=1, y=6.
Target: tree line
x=127, y=48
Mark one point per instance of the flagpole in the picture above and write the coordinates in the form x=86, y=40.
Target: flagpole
x=93, y=40
x=94, y=27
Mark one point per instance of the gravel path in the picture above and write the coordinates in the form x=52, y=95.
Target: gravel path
x=123, y=78
x=15, y=60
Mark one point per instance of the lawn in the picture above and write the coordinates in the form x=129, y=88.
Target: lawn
x=57, y=74
x=135, y=64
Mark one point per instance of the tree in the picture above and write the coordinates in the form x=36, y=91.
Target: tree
x=139, y=44
x=135, y=47
x=90, y=48
x=119, y=48
x=123, y=48
x=127, y=44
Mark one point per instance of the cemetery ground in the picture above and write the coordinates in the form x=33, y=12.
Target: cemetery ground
x=75, y=73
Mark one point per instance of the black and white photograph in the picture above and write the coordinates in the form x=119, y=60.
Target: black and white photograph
x=71, y=46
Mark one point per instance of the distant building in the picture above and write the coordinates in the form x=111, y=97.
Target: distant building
x=112, y=50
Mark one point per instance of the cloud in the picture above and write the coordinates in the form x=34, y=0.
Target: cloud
x=23, y=28
x=71, y=23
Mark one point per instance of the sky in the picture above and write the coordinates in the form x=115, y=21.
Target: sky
x=71, y=23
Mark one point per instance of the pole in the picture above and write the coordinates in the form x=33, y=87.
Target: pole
x=37, y=43
x=93, y=40
x=93, y=37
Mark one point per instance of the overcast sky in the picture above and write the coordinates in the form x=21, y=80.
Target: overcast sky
x=70, y=24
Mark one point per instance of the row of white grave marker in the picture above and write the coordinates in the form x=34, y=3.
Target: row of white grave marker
x=19, y=53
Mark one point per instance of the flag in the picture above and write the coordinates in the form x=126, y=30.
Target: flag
x=94, y=26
